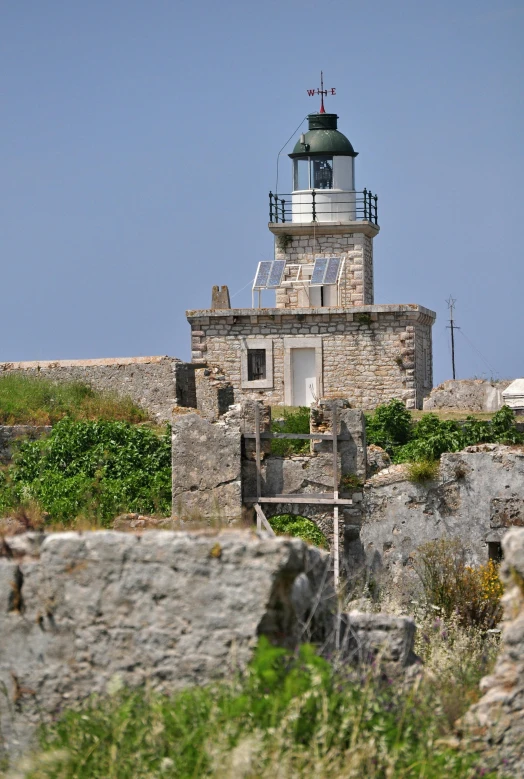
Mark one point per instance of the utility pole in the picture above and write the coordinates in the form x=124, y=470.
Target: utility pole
x=452, y=326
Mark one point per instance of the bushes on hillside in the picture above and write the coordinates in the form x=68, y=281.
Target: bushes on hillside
x=28, y=400
x=392, y=428
x=91, y=469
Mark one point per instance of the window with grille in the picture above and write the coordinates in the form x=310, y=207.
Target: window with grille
x=256, y=364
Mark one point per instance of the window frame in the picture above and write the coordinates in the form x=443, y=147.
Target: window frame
x=255, y=344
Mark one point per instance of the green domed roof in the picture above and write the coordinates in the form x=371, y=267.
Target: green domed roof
x=323, y=138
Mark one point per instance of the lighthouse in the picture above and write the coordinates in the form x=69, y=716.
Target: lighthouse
x=324, y=337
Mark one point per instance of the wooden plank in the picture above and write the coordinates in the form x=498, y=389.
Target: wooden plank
x=262, y=521
x=257, y=450
x=299, y=436
x=303, y=498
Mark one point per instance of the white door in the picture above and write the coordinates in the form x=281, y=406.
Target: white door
x=303, y=377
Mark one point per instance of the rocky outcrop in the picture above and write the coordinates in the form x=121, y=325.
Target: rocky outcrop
x=207, y=468
x=81, y=611
x=78, y=610
x=477, y=495
x=466, y=395
x=496, y=722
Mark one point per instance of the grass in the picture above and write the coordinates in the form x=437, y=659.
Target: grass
x=289, y=717
x=422, y=471
x=298, y=527
x=26, y=400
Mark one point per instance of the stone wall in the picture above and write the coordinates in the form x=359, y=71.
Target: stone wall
x=214, y=394
x=10, y=435
x=356, y=286
x=78, y=611
x=83, y=612
x=467, y=395
x=496, y=723
x=368, y=356
x=478, y=494
x=155, y=383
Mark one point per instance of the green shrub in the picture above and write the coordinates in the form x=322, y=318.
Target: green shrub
x=288, y=716
x=94, y=469
x=296, y=420
x=423, y=470
x=28, y=400
x=390, y=426
x=472, y=594
x=299, y=527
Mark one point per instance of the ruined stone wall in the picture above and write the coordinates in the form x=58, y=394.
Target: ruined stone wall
x=368, y=356
x=476, y=497
x=467, y=395
x=213, y=393
x=496, y=723
x=81, y=610
x=155, y=383
x=356, y=287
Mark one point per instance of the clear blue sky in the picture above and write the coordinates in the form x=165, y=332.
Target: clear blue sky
x=138, y=141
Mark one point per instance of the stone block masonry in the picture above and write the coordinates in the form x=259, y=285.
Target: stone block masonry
x=354, y=248
x=155, y=383
x=368, y=354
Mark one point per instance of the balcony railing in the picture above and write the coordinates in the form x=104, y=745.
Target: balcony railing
x=323, y=205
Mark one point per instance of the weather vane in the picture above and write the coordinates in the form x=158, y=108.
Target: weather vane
x=322, y=92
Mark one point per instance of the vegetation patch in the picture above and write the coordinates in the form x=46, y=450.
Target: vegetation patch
x=454, y=588
x=27, y=400
x=289, y=716
x=292, y=420
x=299, y=527
x=392, y=427
x=92, y=470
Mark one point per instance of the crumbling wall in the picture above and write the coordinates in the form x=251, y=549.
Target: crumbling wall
x=206, y=468
x=175, y=609
x=155, y=383
x=213, y=393
x=467, y=395
x=496, y=722
x=477, y=495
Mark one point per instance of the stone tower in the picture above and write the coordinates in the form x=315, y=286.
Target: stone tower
x=325, y=337
x=325, y=217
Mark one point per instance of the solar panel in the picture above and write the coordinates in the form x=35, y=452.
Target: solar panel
x=332, y=270
x=319, y=270
x=264, y=269
x=275, y=276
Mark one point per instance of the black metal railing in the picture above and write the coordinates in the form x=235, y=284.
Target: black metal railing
x=349, y=206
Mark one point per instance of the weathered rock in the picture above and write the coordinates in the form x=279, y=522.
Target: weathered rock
x=174, y=609
x=476, y=496
x=467, y=395
x=377, y=459
x=366, y=638
x=138, y=522
x=207, y=468
x=496, y=722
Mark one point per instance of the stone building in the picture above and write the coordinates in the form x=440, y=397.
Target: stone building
x=325, y=336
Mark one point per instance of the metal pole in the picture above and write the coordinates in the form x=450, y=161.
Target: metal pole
x=336, y=560
x=452, y=326
x=257, y=449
